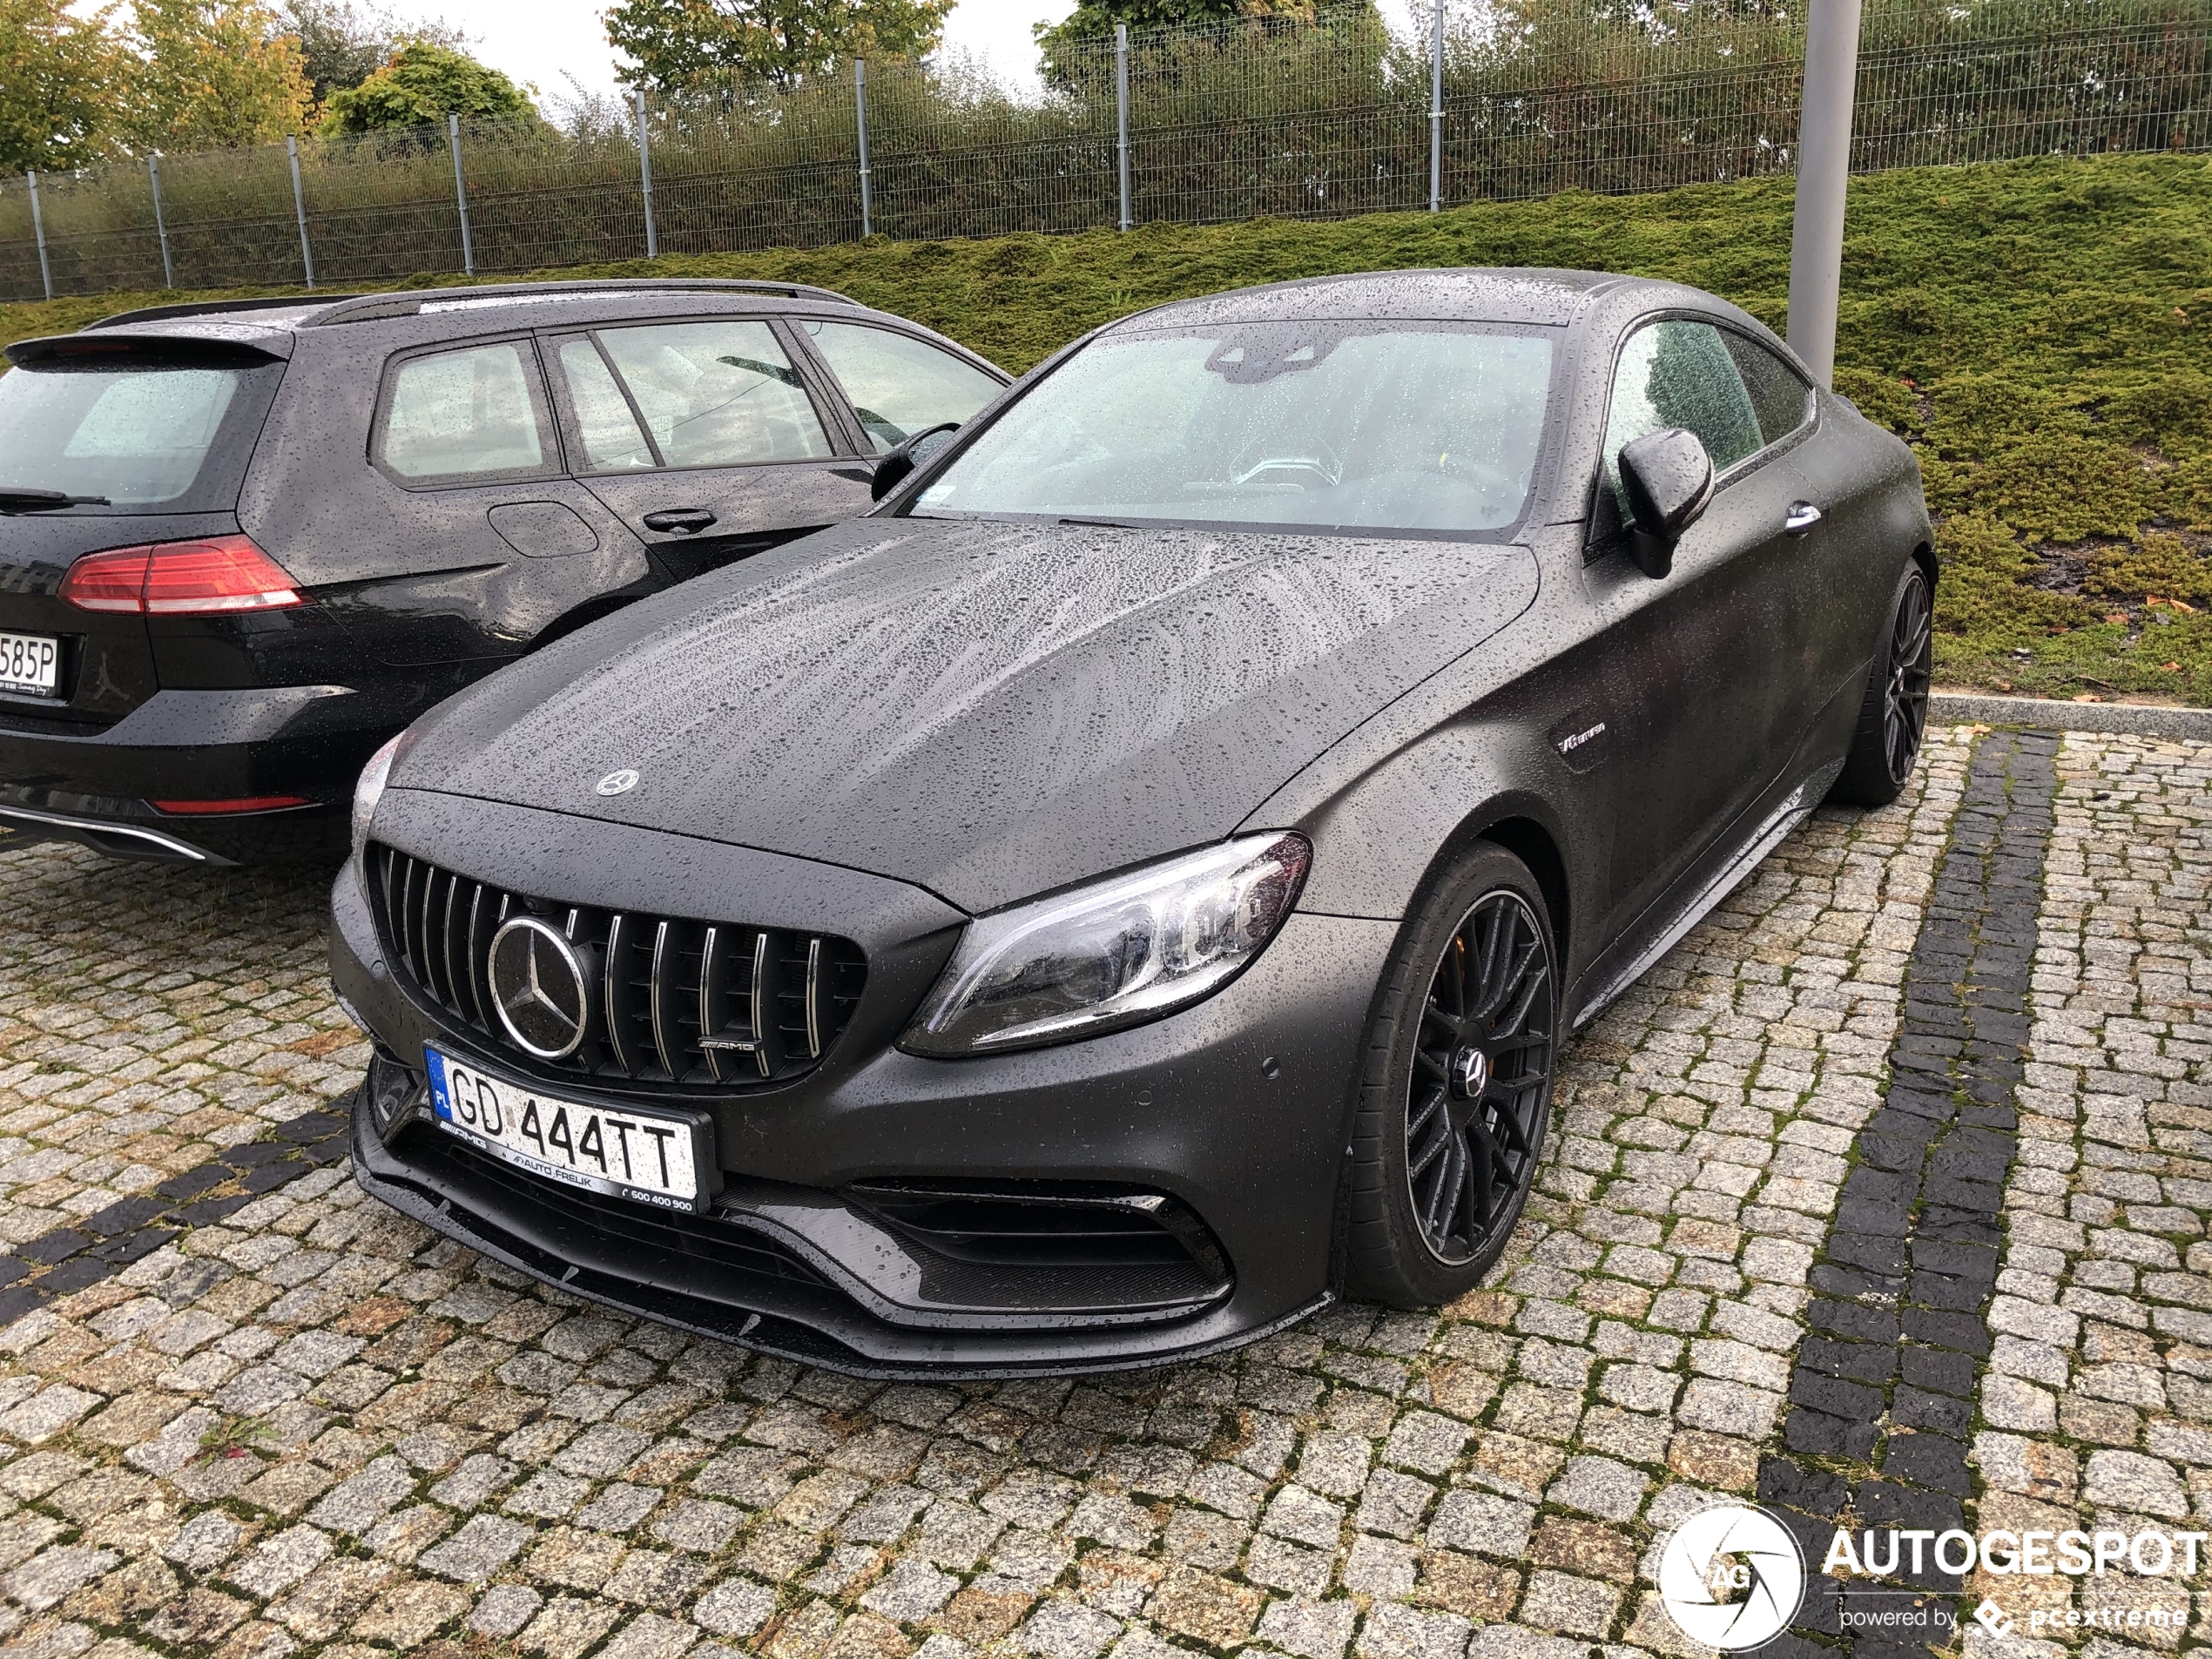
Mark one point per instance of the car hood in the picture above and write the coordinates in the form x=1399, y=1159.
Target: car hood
x=986, y=709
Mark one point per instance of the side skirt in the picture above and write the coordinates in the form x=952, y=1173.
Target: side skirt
x=1792, y=810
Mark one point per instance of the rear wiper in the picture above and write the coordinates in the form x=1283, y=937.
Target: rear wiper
x=45, y=500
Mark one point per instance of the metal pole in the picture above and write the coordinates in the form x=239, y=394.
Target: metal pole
x=39, y=225
x=1120, y=112
x=461, y=195
x=300, y=207
x=1436, y=114
x=160, y=226
x=645, y=174
x=1823, y=176
x=860, y=126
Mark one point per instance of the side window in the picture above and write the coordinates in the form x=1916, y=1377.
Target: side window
x=473, y=415
x=899, y=385
x=1679, y=373
x=716, y=394
x=1783, y=401
x=613, y=442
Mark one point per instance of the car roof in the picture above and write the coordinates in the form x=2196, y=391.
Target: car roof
x=1481, y=293
x=294, y=312
x=420, y=316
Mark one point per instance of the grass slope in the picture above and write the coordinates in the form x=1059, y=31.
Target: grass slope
x=2041, y=331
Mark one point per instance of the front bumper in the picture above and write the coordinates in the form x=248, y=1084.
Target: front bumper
x=95, y=786
x=1234, y=1112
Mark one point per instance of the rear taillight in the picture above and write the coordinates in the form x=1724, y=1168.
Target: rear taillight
x=223, y=573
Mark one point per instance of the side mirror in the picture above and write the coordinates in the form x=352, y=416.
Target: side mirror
x=1668, y=478
x=895, y=468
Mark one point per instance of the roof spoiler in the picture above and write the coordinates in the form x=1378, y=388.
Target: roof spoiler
x=211, y=307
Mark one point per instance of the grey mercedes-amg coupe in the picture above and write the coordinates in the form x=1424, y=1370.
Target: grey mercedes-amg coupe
x=1133, y=885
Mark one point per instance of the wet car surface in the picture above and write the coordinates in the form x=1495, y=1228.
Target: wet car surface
x=1130, y=888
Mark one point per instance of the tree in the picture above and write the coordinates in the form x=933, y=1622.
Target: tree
x=56, y=81
x=1073, y=58
x=211, y=74
x=1093, y=20
x=344, y=45
x=675, y=42
x=425, y=81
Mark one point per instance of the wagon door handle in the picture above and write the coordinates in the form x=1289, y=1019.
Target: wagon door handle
x=689, y=520
x=1802, y=518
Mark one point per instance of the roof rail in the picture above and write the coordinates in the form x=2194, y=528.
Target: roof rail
x=369, y=307
x=204, y=307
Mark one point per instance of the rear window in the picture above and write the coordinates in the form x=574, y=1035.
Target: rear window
x=165, y=433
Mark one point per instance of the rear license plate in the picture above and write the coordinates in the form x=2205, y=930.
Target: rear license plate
x=30, y=663
x=654, y=1157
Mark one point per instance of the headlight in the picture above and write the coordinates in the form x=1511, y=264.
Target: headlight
x=1124, y=950
x=370, y=790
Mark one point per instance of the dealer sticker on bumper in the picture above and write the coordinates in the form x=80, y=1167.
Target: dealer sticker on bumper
x=654, y=1157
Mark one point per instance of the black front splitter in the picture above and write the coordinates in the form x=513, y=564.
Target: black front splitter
x=810, y=1325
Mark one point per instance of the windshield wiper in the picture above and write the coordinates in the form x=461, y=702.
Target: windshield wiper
x=45, y=500
x=1100, y=523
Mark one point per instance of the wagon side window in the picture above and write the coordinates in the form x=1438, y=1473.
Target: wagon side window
x=899, y=385
x=469, y=416
x=1679, y=373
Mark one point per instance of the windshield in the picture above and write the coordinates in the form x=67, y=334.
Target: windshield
x=1317, y=426
x=146, y=433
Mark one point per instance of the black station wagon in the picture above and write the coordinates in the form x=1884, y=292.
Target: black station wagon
x=243, y=544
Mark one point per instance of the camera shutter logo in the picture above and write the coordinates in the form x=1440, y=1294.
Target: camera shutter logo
x=1731, y=1577
x=539, y=987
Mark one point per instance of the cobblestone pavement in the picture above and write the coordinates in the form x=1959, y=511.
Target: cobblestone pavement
x=292, y=1422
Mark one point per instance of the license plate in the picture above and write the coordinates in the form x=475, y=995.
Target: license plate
x=651, y=1157
x=30, y=663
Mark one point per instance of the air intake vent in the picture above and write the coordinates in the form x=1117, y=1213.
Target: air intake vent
x=666, y=1000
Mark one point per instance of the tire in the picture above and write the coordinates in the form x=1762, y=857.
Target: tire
x=1408, y=1243
x=1894, y=717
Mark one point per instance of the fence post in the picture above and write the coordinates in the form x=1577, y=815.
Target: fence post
x=1436, y=113
x=160, y=226
x=645, y=173
x=1121, y=112
x=39, y=225
x=1824, y=179
x=461, y=195
x=860, y=126
x=300, y=208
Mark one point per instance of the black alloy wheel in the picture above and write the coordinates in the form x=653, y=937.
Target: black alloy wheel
x=1453, y=1101
x=1894, y=717
x=1481, y=1066
x=1904, y=697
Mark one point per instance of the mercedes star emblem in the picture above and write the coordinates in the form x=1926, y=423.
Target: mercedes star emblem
x=618, y=783
x=539, y=986
x=1474, y=1072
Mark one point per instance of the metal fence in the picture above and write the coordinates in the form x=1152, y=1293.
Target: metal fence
x=1190, y=126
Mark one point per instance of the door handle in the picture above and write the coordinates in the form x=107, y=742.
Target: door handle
x=1802, y=518
x=689, y=520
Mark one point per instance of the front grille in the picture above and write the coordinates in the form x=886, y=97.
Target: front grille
x=672, y=1001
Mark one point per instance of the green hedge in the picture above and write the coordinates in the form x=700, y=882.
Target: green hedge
x=2040, y=330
